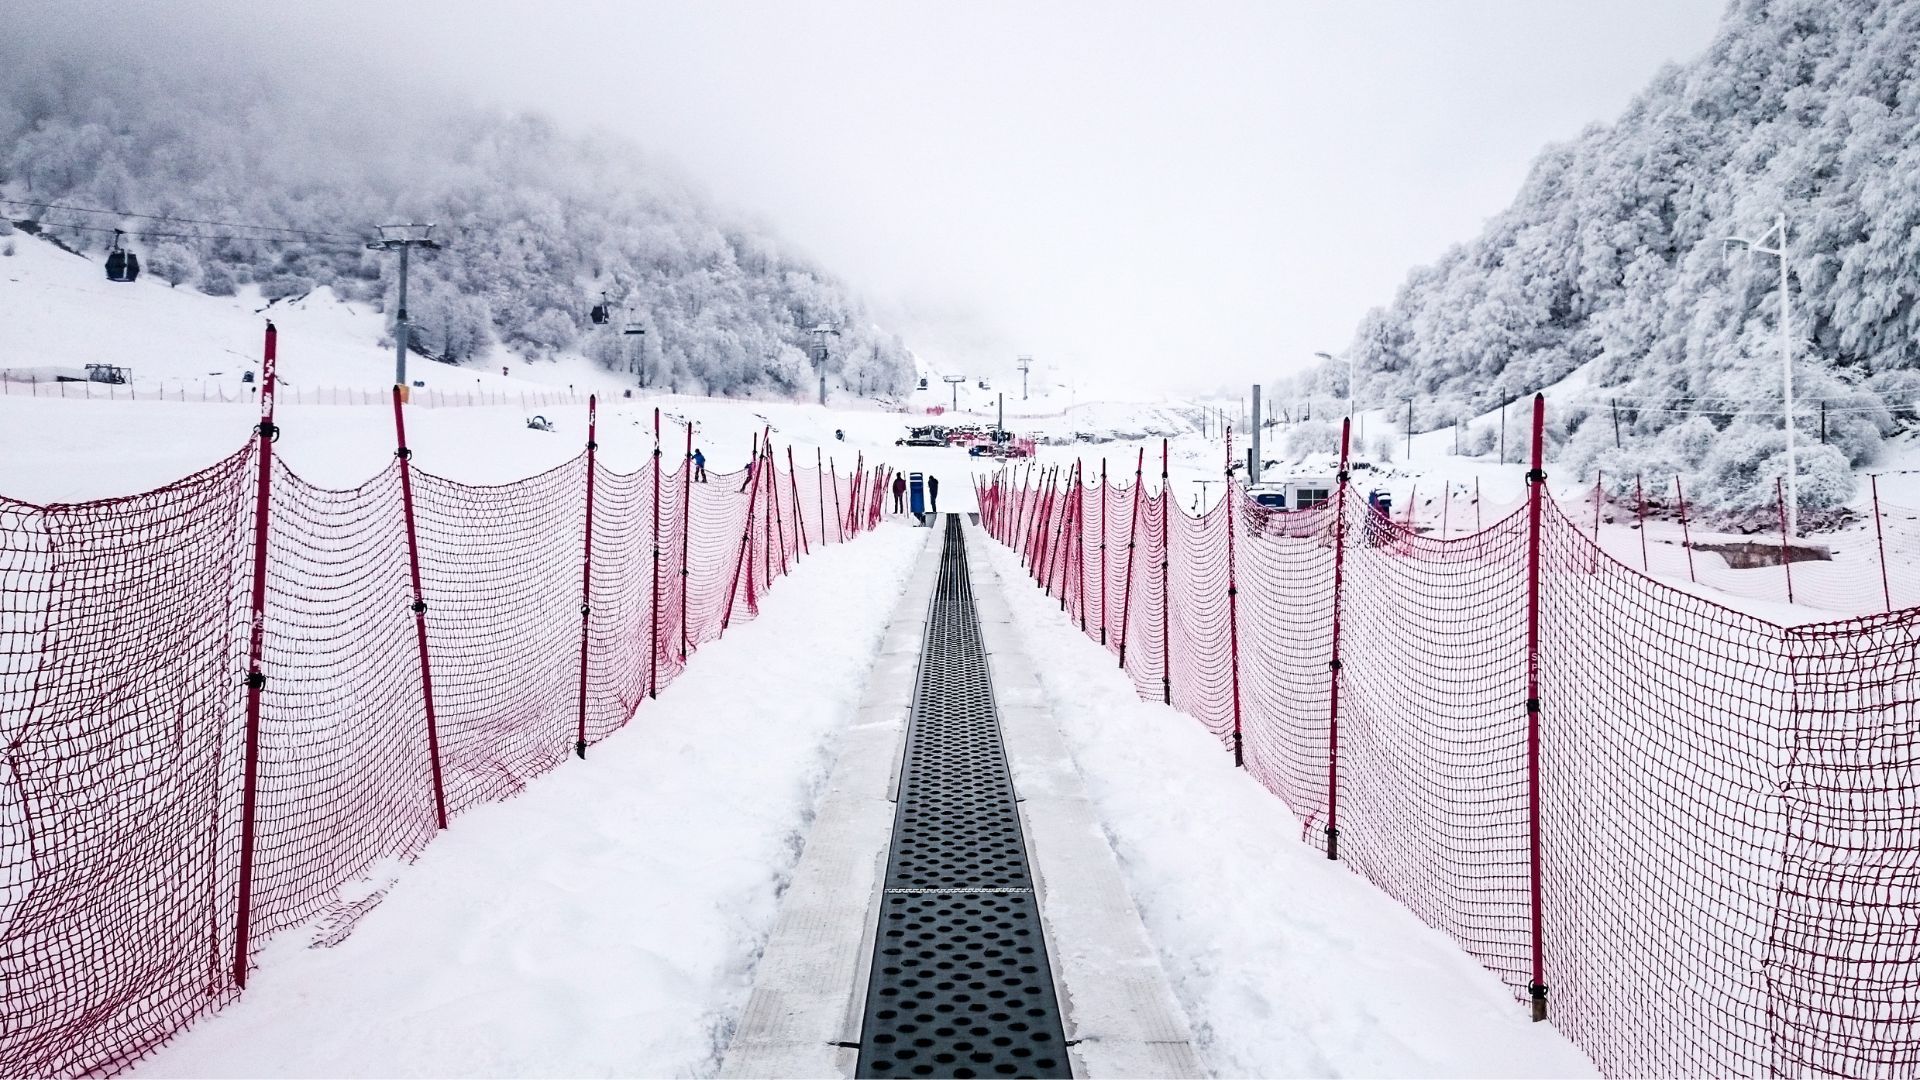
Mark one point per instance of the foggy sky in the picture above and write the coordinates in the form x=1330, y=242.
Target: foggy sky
x=1166, y=195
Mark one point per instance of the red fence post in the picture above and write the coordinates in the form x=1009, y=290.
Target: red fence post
x=1686, y=533
x=653, y=655
x=1536, y=497
x=256, y=644
x=1166, y=597
x=1103, y=549
x=586, y=579
x=793, y=482
x=1064, y=535
x=1880, y=541
x=1080, y=542
x=837, y=516
x=1597, y=498
x=779, y=529
x=1233, y=605
x=405, y=457
x=1133, y=529
x=1786, y=555
x=1333, y=664
x=745, y=558
x=686, y=518
x=1640, y=512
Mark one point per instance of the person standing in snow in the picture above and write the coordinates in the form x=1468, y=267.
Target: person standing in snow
x=699, y=465
x=899, y=494
x=933, y=494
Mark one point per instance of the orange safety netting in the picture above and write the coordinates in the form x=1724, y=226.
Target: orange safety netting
x=124, y=661
x=1725, y=874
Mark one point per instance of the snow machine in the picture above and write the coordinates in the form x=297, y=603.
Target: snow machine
x=540, y=423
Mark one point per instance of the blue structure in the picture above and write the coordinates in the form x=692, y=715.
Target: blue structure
x=917, y=494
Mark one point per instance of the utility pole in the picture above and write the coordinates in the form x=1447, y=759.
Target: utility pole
x=1409, y=430
x=1026, y=365
x=1000, y=419
x=1253, y=467
x=820, y=355
x=954, y=381
x=404, y=238
x=1779, y=251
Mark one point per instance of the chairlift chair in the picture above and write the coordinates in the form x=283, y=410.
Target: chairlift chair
x=122, y=265
x=598, y=315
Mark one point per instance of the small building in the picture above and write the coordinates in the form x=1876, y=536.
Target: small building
x=1295, y=493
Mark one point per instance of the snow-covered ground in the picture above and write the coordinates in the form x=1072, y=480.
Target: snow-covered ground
x=606, y=921
x=1288, y=964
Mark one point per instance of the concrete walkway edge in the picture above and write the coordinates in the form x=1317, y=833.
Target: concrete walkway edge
x=803, y=1016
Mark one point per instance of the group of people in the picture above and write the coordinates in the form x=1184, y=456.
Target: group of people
x=900, y=494
x=699, y=462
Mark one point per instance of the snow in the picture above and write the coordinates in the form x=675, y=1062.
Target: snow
x=1289, y=964
x=607, y=920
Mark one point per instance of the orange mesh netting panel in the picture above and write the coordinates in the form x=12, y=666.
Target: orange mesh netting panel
x=124, y=682
x=122, y=651
x=1723, y=878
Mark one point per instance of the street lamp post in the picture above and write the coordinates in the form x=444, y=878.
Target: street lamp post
x=404, y=238
x=1779, y=251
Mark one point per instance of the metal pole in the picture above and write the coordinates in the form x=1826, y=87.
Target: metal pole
x=1253, y=475
x=256, y=645
x=1409, y=431
x=1880, y=541
x=1536, y=498
x=1640, y=513
x=1333, y=664
x=1786, y=378
x=1786, y=552
x=1598, y=497
x=405, y=457
x=1616, y=423
x=1686, y=533
x=586, y=583
x=744, y=558
x=400, y=324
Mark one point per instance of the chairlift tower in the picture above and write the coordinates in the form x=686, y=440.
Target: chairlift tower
x=404, y=238
x=820, y=333
x=637, y=361
x=1026, y=365
x=954, y=381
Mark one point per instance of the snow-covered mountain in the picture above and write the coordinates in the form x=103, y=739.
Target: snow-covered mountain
x=1613, y=258
x=246, y=177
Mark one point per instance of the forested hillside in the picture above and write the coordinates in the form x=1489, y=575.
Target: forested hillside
x=536, y=223
x=1615, y=254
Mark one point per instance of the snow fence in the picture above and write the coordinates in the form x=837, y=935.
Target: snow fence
x=1689, y=835
x=182, y=780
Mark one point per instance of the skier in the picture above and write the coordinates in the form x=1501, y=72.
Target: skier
x=699, y=465
x=933, y=494
x=899, y=494
x=840, y=434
